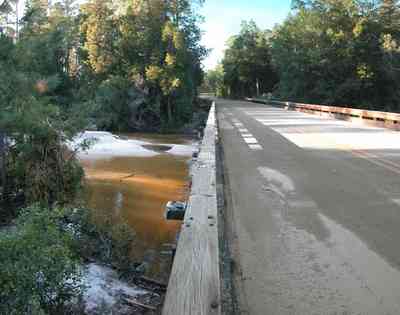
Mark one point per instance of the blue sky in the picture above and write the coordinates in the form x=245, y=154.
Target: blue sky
x=223, y=18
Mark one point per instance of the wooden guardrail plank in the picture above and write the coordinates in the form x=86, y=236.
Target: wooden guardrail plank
x=194, y=285
x=390, y=120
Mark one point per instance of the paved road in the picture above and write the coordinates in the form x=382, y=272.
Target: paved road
x=314, y=212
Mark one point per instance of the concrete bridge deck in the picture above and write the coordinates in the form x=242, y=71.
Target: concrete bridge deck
x=313, y=212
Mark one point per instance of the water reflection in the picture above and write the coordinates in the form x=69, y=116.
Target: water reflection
x=136, y=189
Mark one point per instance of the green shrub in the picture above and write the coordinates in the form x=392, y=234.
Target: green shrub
x=46, y=171
x=104, y=241
x=39, y=271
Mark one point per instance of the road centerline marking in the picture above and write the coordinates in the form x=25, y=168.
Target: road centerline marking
x=251, y=140
x=255, y=146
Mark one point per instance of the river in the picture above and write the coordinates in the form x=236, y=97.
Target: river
x=130, y=177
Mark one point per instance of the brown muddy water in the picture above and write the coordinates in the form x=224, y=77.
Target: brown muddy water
x=135, y=185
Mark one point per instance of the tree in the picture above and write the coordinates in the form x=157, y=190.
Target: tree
x=135, y=68
x=339, y=52
x=153, y=44
x=100, y=33
x=247, y=62
x=38, y=127
x=214, y=82
x=7, y=75
x=169, y=76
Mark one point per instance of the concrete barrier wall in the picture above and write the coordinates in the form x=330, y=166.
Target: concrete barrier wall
x=194, y=285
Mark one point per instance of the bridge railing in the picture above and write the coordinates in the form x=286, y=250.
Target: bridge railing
x=377, y=118
x=194, y=284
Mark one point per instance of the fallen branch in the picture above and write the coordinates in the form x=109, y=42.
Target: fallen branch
x=134, y=302
x=151, y=284
x=152, y=281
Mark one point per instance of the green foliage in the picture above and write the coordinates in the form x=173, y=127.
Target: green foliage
x=247, y=63
x=38, y=161
x=214, y=82
x=38, y=128
x=102, y=239
x=39, y=271
x=122, y=65
x=37, y=106
x=100, y=32
x=48, y=45
x=112, y=101
x=340, y=52
x=44, y=169
x=125, y=65
x=42, y=258
x=150, y=45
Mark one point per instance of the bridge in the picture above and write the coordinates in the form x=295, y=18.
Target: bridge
x=310, y=215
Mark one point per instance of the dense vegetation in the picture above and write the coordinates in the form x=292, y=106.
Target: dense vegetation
x=341, y=52
x=43, y=254
x=117, y=65
x=40, y=271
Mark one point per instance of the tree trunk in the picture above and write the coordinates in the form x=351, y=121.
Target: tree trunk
x=169, y=110
x=2, y=162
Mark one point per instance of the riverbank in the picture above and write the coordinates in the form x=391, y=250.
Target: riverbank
x=129, y=178
x=107, y=294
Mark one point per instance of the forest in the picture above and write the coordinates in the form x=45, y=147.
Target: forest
x=67, y=66
x=332, y=52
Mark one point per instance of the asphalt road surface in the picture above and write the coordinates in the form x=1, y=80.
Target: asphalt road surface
x=313, y=210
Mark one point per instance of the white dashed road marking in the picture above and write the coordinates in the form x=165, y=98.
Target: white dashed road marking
x=255, y=147
x=246, y=135
x=251, y=140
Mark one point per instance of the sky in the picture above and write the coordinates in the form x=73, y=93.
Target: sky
x=223, y=19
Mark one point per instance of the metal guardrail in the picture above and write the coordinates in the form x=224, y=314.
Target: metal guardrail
x=194, y=284
x=383, y=119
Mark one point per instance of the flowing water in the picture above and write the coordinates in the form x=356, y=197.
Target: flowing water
x=131, y=177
